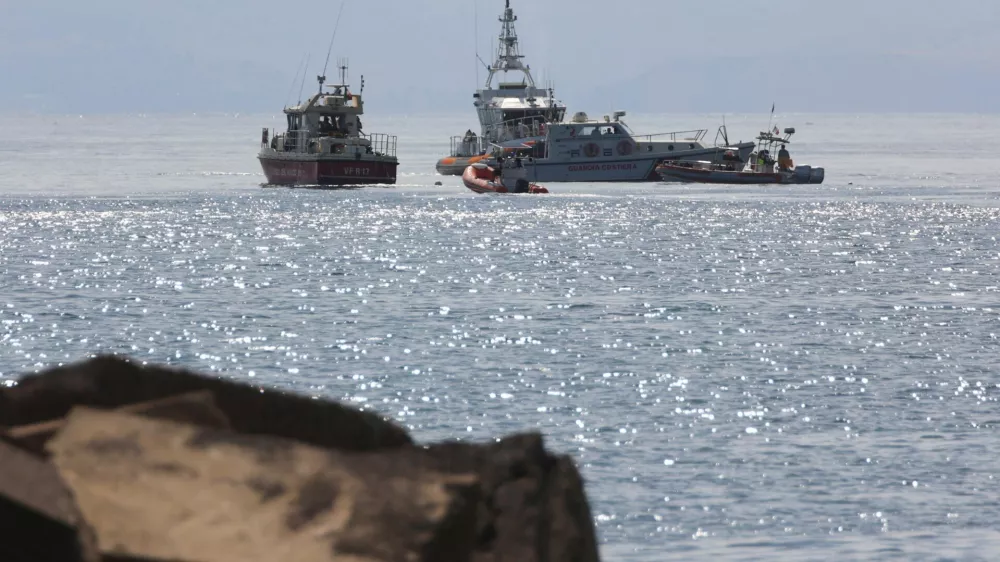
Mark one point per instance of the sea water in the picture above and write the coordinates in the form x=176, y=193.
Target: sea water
x=780, y=373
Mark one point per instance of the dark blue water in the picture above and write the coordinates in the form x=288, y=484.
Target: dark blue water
x=786, y=374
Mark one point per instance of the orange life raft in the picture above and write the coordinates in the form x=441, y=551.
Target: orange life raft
x=485, y=179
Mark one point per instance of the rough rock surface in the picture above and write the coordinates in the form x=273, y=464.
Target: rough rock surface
x=111, y=382
x=196, y=408
x=111, y=461
x=39, y=520
x=178, y=492
x=532, y=505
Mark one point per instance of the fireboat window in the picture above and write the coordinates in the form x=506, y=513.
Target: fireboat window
x=335, y=124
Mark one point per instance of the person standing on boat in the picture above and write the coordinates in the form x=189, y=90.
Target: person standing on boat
x=325, y=126
x=784, y=159
x=341, y=126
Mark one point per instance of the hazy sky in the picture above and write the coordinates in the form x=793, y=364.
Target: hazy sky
x=419, y=56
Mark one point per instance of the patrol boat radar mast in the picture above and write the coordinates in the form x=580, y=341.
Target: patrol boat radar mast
x=508, y=54
x=510, y=113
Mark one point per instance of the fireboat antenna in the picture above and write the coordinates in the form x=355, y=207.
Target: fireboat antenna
x=342, y=66
x=302, y=85
x=329, y=50
x=291, y=87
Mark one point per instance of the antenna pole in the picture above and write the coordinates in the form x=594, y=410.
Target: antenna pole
x=336, y=26
x=302, y=85
x=291, y=87
x=342, y=66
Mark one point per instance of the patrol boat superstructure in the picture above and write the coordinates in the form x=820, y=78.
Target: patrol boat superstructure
x=508, y=111
x=586, y=150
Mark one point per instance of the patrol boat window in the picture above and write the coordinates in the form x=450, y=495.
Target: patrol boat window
x=598, y=130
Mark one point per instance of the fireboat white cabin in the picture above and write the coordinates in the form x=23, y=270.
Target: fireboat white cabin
x=324, y=144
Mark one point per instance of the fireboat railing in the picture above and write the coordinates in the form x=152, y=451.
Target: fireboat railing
x=287, y=141
x=382, y=144
x=304, y=142
x=694, y=134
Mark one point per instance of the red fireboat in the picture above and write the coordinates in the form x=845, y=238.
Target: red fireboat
x=324, y=144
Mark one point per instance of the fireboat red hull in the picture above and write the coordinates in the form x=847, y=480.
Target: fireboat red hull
x=289, y=172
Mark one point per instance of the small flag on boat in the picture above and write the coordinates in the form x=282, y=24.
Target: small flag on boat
x=772, y=109
x=776, y=131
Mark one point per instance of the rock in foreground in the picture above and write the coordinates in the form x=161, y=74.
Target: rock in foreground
x=108, y=460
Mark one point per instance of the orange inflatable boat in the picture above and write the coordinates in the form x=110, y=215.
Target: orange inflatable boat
x=484, y=179
x=456, y=165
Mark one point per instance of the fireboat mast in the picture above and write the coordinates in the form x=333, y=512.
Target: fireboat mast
x=321, y=79
x=508, y=53
x=342, y=69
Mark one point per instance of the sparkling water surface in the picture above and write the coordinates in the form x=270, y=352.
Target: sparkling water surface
x=742, y=373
